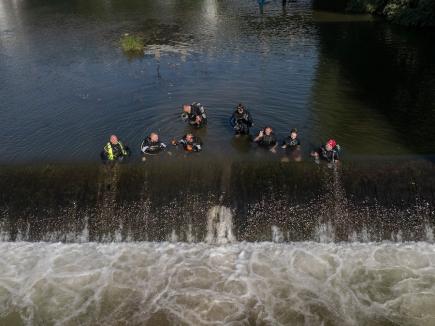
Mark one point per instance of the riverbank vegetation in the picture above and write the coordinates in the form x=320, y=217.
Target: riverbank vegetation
x=413, y=13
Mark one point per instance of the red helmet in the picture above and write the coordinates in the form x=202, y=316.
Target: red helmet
x=331, y=143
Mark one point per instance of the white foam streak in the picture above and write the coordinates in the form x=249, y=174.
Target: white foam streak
x=220, y=226
x=324, y=232
x=4, y=235
x=277, y=235
x=429, y=233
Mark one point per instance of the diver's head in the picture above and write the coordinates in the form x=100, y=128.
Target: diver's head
x=113, y=139
x=268, y=131
x=293, y=133
x=154, y=137
x=187, y=108
x=240, y=108
x=330, y=144
x=189, y=138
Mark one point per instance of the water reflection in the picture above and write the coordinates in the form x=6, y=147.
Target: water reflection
x=242, y=143
x=388, y=81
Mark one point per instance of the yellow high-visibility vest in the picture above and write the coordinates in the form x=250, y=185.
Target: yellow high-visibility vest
x=109, y=150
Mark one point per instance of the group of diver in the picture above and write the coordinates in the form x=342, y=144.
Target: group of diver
x=241, y=121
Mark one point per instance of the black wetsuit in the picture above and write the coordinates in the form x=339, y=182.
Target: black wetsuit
x=329, y=156
x=291, y=144
x=150, y=147
x=196, y=109
x=267, y=141
x=194, y=146
x=241, y=122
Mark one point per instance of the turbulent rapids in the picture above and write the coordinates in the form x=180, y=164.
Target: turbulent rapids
x=146, y=283
x=210, y=243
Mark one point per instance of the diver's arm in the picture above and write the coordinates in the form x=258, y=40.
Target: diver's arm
x=143, y=147
x=273, y=148
x=250, y=122
x=233, y=120
x=198, y=120
x=260, y=136
x=335, y=157
x=316, y=153
x=197, y=147
x=177, y=142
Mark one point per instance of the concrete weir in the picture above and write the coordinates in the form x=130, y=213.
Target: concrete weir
x=218, y=201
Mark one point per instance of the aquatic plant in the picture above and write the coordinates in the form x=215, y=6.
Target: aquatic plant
x=132, y=43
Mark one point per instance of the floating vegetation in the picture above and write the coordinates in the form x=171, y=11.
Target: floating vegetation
x=132, y=44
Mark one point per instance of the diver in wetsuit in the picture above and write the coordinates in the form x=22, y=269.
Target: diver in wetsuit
x=292, y=146
x=190, y=143
x=241, y=120
x=152, y=145
x=328, y=152
x=291, y=142
x=266, y=139
x=194, y=114
x=114, y=150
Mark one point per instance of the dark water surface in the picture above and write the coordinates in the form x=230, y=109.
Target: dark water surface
x=65, y=85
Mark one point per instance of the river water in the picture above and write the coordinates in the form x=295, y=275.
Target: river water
x=226, y=237
x=65, y=84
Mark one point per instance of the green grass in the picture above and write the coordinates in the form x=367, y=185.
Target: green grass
x=132, y=43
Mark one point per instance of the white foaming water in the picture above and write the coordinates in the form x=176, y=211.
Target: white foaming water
x=324, y=232
x=220, y=226
x=277, y=235
x=4, y=235
x=201, y=284
x=429, y=233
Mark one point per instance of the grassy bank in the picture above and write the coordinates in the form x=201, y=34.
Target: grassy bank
x=413, y=13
